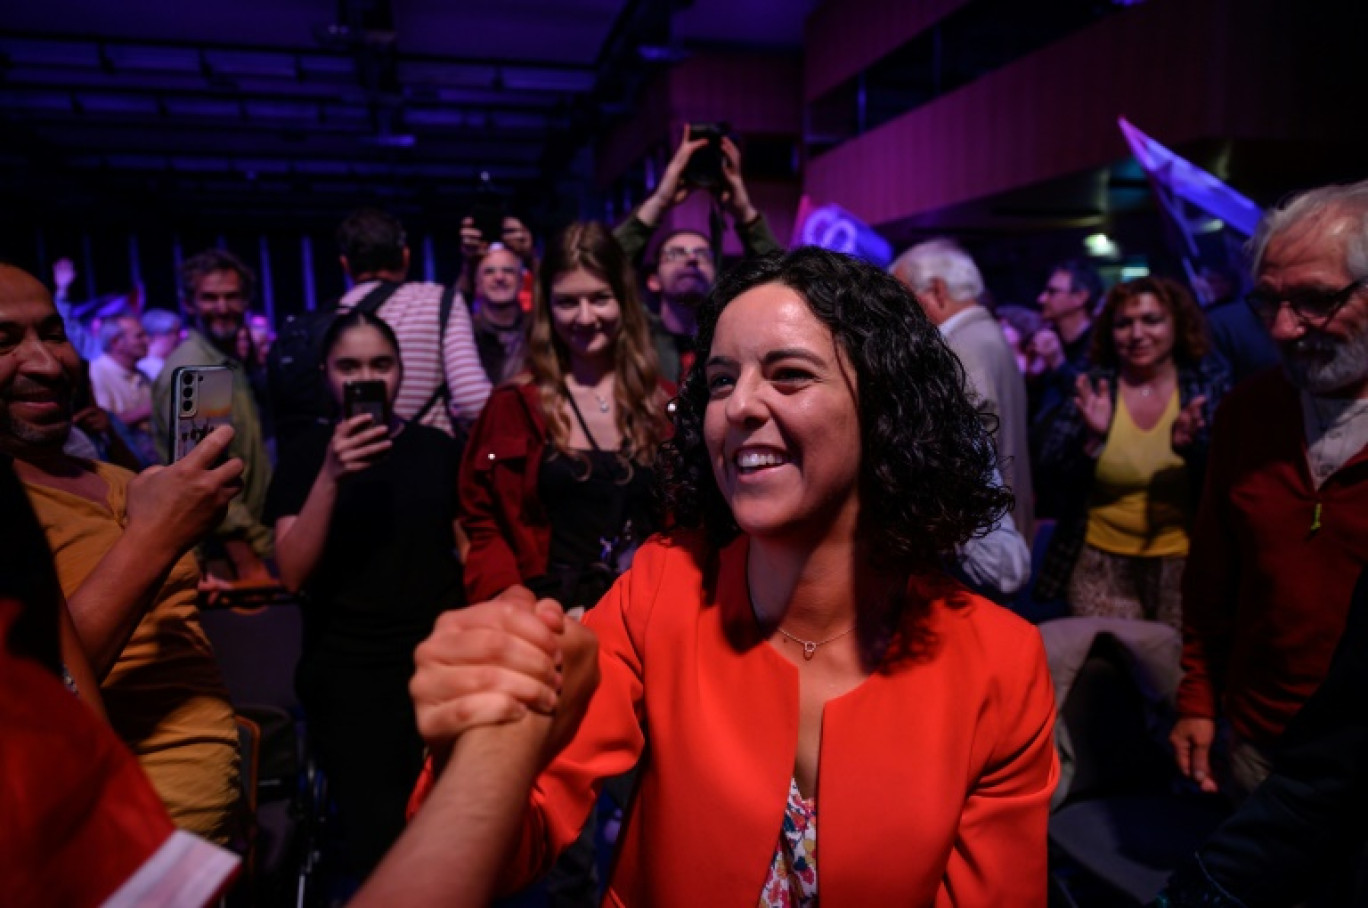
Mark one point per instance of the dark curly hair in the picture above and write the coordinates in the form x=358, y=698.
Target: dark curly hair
x=1190, y=341
x=203, y=264
x=926, y=471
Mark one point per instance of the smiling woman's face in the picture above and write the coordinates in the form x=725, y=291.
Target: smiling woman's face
x=782, y=424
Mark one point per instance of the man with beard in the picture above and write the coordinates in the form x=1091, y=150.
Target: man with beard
x=216, y=288
x=1282, y=530
x=684, y=273
x=497, y=314
x=120, y=544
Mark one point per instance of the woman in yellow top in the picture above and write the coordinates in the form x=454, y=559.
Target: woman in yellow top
x=1128, y=455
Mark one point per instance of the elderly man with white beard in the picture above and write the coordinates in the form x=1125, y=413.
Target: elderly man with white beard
x=1282, y=531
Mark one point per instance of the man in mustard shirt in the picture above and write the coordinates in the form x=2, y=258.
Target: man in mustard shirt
x=121, y=545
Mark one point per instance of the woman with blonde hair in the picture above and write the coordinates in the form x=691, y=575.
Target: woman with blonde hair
x=555, y=482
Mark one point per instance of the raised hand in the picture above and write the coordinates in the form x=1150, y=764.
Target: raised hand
x=1188, y=424
x=63, y=275
x=355, y=445
x=735, y=196
x=473, y=243
x=1094, y=404
x=669, y=192
x=172, y=508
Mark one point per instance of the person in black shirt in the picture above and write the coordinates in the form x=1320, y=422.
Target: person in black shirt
x=365, y=526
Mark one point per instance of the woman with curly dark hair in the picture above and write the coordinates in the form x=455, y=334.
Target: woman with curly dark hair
x=1127, y=456
x=803, y=669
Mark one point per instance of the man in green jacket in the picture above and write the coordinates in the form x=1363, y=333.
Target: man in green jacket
x=684, y=268
x=216, y=288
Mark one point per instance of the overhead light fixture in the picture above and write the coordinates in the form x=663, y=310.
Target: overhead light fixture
x=1099, y=245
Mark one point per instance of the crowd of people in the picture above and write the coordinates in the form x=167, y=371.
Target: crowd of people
x=740, y=547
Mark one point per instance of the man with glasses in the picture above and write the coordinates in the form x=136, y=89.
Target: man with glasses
x=1282, y=531
x=684, y=268
x=1067, y=303
x=216, y=288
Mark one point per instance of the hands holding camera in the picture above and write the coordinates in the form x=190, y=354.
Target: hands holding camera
x=674, y=188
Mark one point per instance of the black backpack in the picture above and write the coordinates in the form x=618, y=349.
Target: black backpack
x=299, y=393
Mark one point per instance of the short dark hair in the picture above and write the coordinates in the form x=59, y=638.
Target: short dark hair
x=1190, y=342
x=926, y=471
x=1082, y=276
x=372, y=240
x=195, y=268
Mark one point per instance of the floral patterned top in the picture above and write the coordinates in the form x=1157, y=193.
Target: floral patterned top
x=792, y=878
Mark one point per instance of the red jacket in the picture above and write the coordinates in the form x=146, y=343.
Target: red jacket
x=510, y=536
x=1265, y=596
x=935, y=774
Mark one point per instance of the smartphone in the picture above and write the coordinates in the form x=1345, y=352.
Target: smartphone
x=366, y=397
x=488, y=219
x=704, y=170
x=201, y=401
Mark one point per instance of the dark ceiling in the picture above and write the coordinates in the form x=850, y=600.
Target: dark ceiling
x=292, y=110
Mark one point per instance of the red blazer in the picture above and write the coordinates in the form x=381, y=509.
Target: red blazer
x=510, y=536
x=935, y=773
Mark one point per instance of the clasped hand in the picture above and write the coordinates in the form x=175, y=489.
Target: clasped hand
x=492, y=662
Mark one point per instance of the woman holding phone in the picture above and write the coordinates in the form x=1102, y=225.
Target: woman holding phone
x=364, y=514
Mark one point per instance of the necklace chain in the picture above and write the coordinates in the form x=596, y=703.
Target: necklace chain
x=810, y=646
x=604, y=403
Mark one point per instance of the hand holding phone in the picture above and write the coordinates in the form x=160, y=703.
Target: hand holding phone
x=172, y=508
x=201, y=401
x=362, y=437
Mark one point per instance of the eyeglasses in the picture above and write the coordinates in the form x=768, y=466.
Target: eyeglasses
x=1310, y=305
x=680, y=254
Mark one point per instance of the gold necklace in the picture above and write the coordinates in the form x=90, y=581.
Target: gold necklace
x=810, y=646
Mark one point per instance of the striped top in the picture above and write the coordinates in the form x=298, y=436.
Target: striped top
x=413, y=312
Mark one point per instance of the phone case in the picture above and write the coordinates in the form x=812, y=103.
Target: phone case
x=202, y=400
x=365, y=397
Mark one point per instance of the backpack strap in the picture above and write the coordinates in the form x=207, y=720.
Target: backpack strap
x=444, y=315
x=378, y=296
